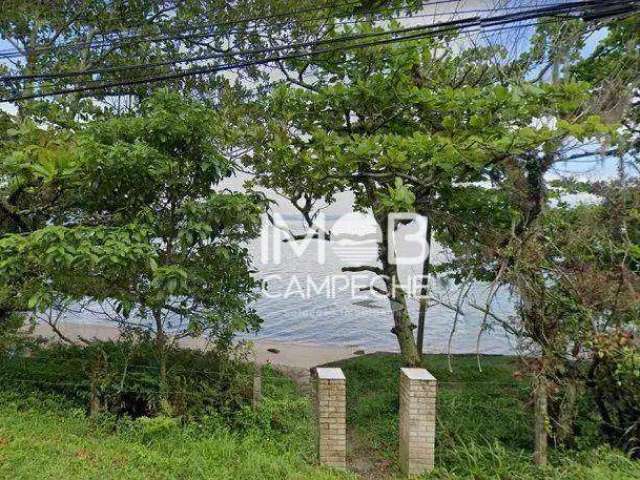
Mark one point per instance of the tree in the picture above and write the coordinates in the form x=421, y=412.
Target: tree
x=64, y=36
x=407, y=129
x=119, y=46
x=135, y=218
x=613, y=68
x=594, y=261
x=575, y=277
x=508, y=244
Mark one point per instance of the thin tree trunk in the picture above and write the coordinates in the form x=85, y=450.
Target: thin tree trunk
x=31, y=55
x=96, y=367
x=567, y=413
x=402, y=327
x=257, y=388
x=541, y=440
x=403, y=330
x=94, y=401
x=408, y=346
x=422, y=312
x=161, y=348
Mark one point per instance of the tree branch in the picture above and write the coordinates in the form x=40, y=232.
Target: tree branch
x=364, y=268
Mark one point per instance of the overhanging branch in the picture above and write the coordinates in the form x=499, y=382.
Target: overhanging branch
x=364, y=268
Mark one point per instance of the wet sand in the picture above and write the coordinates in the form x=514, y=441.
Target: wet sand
x=290, y=354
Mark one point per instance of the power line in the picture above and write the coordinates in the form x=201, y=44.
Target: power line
x=98, y=86
x=213, y=69
x=518, y=16
x=238, y=21
x=142, y=38
x=254, y=51
x=229, y=52
x=222, y=23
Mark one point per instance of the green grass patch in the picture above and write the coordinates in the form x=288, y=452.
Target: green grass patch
x=126, y=379
x=46, y=436
x=484, y=423
x=483, y=432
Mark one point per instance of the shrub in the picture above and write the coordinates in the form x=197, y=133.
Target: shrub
x=121, y=378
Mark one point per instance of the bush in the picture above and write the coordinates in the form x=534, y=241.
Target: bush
x=614, y=381
x=122, y=378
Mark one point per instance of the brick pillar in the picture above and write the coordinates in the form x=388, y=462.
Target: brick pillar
x=330, y=410
x=417, y=420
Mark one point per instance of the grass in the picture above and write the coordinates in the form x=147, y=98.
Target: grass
x=484, y=424
x=49, y=437
x=483, y=433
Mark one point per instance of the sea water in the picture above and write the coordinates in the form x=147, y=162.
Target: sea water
x=307, y=298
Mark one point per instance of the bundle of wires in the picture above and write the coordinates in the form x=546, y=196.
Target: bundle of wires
x=89, y=80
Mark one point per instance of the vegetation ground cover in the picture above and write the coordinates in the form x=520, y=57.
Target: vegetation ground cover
x=484, y=425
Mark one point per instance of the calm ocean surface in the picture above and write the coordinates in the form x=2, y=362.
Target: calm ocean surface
x=308, y=299
x=297, y=308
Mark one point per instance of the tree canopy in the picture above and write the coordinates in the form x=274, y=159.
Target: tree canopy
x=127, y=211
x=410, y=129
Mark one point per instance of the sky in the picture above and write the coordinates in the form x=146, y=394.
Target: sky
x=7, y=107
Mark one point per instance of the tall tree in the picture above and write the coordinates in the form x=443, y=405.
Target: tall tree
x=135, y=217
x=409, y=128
x=71, y=36
x=112, y=50
x=514, y=249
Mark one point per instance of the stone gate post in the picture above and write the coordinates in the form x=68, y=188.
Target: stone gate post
x=417, y=420
x=330, y=411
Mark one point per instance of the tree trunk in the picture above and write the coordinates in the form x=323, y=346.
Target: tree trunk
x=402, y=326
x=163, y=373
x=424, y=289
x=567, y=413
x=161, y=349
x=94, y=401
x=403, y=330
x=30, y=54
x=407, y=343
x=540, y=418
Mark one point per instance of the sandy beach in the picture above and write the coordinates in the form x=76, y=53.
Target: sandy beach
x=290, y=354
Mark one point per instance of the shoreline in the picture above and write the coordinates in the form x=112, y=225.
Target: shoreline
x=292, y=355
x=297, y=355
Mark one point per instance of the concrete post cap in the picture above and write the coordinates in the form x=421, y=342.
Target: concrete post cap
x=417, y=374
x=330, y=373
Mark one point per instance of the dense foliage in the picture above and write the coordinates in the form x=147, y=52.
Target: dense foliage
x=121, y=378
x=483, y=433
x=126, y=212
x=113, y=199
x=406, y=130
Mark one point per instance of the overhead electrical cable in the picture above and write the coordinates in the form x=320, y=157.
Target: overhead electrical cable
x=97, y=85
x=145, y=38
x=238, y=21
x=254, y=51
x=467, y=21
x=342, y=22
x=435, y=29
x=221, y=68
